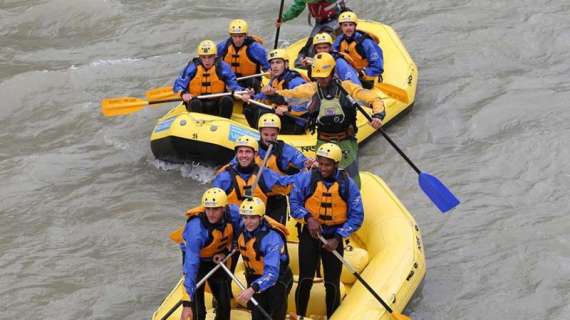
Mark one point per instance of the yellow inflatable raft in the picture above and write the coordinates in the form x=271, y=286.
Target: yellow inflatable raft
x=181, y=136
x=387, y=250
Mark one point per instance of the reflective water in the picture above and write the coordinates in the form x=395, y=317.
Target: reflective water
x=86, y=210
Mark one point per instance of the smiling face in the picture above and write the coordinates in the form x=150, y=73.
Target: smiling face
x=208, y=61
x=245, y=156
x=327, y=166
x=268, y=135
x=251, y=222
x=214, y=215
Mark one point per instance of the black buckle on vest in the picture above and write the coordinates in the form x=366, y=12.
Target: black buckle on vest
x=327, y=194
x=326, y=205
x=235, y=64
x=325, y=218
x=247, y=191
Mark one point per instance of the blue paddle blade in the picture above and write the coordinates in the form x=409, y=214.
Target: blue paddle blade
x=437, y=192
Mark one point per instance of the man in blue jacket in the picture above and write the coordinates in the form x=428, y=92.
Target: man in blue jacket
x=366, y=54
x=281, y=78
x=284, y=160
x=329, y=203
x=237, y=178
x=207, y=238
x=243, y=53
x=323, y=42
x=206, y=75
x=263, y=248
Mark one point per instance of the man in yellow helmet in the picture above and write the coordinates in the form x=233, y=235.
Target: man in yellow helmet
x=331, y=112
x=207, y=74
x=323, y=42
x=366, y=54
x=329, y=203
x=281, y=78
x=237, y=178
x=207, y=238
x=243, y=53
x=284, y=160
x=263, y=248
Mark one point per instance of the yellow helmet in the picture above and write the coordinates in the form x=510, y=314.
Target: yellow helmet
x=330, y=151
x=246, y=141
x=237, y=26
x=214, y=198
x=278, y=54
x=347, y=16
x=207, y=48
x=322, y=37
x=323, y=65
x=269, y=120
x=252, y=207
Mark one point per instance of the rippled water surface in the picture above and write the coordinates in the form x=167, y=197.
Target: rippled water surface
x=86, y=210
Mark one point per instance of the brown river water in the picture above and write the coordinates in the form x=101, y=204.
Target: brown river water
x=86, y=210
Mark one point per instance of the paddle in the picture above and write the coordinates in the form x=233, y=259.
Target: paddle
x=242, y=287
x=119, y=106
x=393, y=91
x=167, y=93
x=278, y=20
x=394, y=314
x=266, y=106
x=263, y=164
x=438, y=193
x=201, y=282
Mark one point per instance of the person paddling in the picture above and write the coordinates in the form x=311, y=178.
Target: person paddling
x=281, y=78
x=207, y=238
x=207, y=74
x=263, y=247
x=238, y=178
x=331, y=113
x=329, y=203
x=323, y=42
x=364, y=51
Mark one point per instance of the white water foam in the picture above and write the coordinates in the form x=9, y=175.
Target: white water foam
x=105, y=62
x=195, y=170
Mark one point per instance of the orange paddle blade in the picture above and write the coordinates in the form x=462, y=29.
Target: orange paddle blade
x=119, y=106
x=394, y=92
x=399, y=316
x=177, y=235
x=162, y=93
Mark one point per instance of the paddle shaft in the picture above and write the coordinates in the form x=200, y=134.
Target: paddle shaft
x=278, y=28
x=263, y=105
x=263, y=164
x=242, y=287
x=221, y=94
x=251, y=76
x=357, y=275
x=204, y=96
x=201, y=282
x=369, y=118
